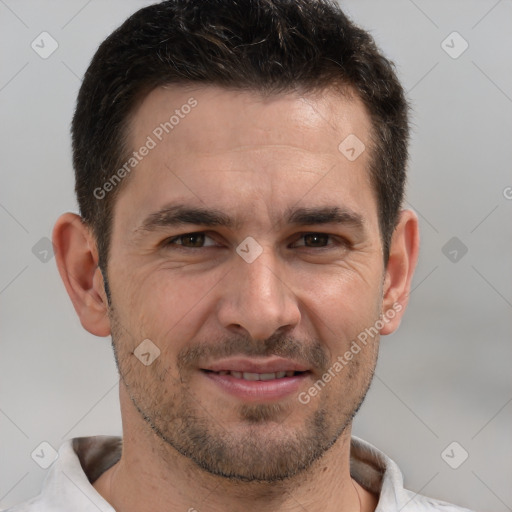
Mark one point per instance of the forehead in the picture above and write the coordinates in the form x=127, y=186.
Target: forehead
x=225, y=148
x=223, y=119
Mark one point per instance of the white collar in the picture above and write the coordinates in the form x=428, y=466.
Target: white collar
x=81, y=460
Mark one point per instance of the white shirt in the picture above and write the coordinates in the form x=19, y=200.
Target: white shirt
x=68, y=488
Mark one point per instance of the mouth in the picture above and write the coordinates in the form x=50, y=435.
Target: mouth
x=251, y=376
x=256, y=380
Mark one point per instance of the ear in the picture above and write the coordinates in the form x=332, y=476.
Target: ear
x=403, y=255
x=77, y=260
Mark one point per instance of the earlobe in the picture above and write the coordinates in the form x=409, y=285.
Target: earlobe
x=77, y=261
x=403, y=256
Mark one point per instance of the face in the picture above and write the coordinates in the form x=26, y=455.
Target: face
x=246, y=249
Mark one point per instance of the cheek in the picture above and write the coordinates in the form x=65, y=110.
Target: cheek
x=343, y=301
x=341, y=309
x=169, y=305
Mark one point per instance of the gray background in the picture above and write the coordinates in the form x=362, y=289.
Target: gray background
x=443, y=377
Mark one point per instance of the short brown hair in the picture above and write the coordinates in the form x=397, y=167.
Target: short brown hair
x=269, y=46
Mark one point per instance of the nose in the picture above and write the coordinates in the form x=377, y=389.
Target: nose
x=258, y=299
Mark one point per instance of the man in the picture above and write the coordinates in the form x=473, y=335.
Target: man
x=240, y=168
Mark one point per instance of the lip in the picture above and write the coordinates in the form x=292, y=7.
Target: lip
x=252, y=365
x=258, y=390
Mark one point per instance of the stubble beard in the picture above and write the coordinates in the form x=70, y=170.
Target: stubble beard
x=260, y=447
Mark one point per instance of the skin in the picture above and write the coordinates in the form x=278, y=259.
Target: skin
x=304, y=298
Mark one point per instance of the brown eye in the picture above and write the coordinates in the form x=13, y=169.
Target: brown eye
x=191, y=241
x=316, y=239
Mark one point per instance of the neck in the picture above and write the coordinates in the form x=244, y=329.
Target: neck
x=152, y=475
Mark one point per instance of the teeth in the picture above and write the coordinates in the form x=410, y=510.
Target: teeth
x=251, y=376
x=257, y=376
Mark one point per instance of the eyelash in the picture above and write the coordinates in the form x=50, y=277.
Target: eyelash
x=338, y=241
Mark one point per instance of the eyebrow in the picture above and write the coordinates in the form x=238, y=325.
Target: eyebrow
x=180, y=214
x=324, y=215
